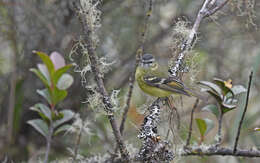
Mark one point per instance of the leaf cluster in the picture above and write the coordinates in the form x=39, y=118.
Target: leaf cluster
x=53, y=75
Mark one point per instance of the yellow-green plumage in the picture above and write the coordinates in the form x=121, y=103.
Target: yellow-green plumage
x=141, y=73
x=153, y=91
x=156, y=83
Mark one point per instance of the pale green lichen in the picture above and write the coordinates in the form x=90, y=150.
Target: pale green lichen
x=91, y=13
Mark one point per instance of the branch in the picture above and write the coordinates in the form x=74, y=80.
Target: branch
x=89, y=44
x=132, y=77
x=216, y=151
x=187, y=44
x=191, y=119
x=214, y=10
x=153, y=148
x=244, y=112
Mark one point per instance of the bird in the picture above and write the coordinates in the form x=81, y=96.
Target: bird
x=156, y=83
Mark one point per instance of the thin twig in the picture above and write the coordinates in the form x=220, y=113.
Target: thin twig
x=172, y=107
x=191, y=121
x=244, y=112
x=77, y=143
x=132, y=77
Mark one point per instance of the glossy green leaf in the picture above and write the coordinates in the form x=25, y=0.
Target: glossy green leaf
x=63, y=128
x=211, y=108
x=221, y=84
x=67, y=116
x=58, y=95
x=43, y=69
x=41, y=77
x=213, y=93
x=202, y=126
x=227, y=107
x=65, y=81
x=214, y=88
x=45, y=93
x=46, y=60
x=58, y=73
x=43, y=110
x=238, y=89
x=40, y=126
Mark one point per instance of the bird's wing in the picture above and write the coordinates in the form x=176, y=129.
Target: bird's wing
x=171, y=85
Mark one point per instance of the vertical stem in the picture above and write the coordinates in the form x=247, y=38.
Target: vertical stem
x=11, y=106
x=219, y=128
x=49, y=138
x=244, y=112
x=191, y=120
x=77, y=145
x=11, y=34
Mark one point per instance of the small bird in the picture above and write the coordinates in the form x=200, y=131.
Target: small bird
x=155, y=83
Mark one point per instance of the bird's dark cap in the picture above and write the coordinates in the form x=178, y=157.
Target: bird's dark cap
x=147, y=58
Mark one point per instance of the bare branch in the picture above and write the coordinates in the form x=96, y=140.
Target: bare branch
x=244, y=112
x=191, y=119
x=214, y=10
x=215, y=151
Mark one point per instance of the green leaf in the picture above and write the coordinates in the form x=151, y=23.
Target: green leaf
x=57, y=115
x=214, y=94
x=58, y=73
x=41, y=77
x=227, y=107
x=214, y=88
x=67, y=116
x=238, y=89
x=223, y=87
x=46, y=60
x=58, y=95
x=210, y=125
x=40, y=126
x=43, y=69
x=43, y=110
x=204, y=125
x=45, y=93
x=211, y=108
x=65, y=81
x=61, y=129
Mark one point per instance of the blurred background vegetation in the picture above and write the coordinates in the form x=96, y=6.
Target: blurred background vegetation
x=227, y=47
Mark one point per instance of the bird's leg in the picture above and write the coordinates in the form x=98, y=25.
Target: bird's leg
x=171, y=106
